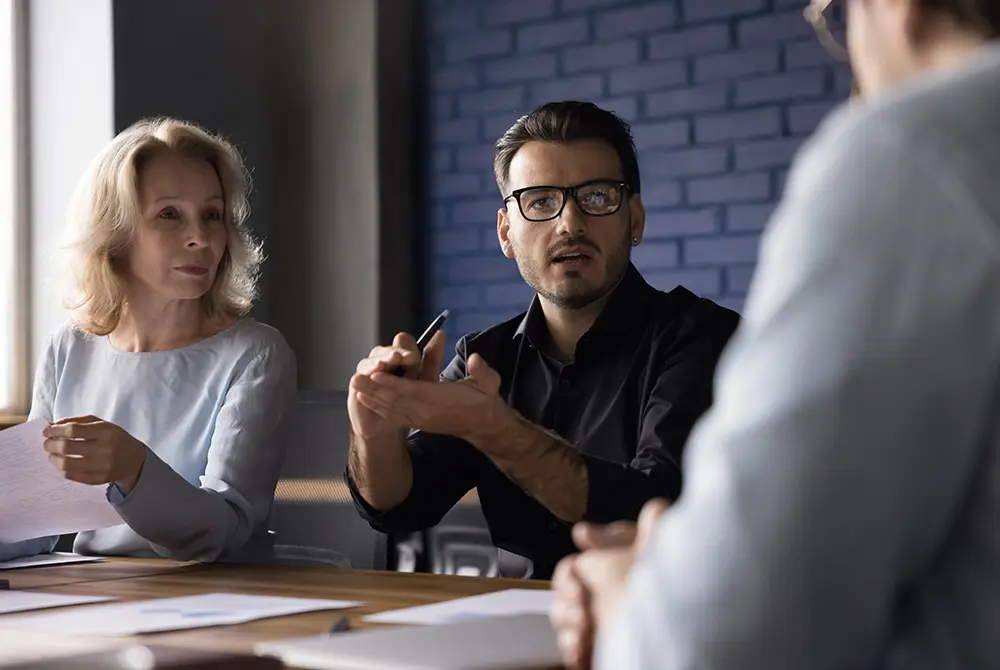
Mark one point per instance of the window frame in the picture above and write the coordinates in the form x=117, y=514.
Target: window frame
x=19, y=253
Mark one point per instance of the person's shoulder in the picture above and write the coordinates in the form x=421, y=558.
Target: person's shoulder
x=492, y=339
x=257, y=340
x=67, y=339
x=685, y=313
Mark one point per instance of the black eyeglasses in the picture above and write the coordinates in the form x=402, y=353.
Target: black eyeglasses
x=595, y=198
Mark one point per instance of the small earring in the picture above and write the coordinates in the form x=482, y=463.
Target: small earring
x=635, y=241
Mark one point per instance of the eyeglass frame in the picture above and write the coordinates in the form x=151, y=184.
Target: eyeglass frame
x=814, y=14
x=567, y=193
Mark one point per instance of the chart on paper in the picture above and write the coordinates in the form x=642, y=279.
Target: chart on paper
x=35, y=500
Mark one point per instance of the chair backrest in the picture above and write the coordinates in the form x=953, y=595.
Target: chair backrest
x=312, y=504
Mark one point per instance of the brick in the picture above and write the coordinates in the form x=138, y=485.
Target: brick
x=495, y=126
x=474, y=322
x=738, y=125
x=584, y=87
x=518, y=11
x=451, y=132
x=472, y=268
x=439, y=216
x=454, y=77
x=666, y=134
x=600, y=56
x=703, y=282
x=738, y=278
x=446, y=22
x=781, y=4
x=680, y=43
x=748, y=218
x=441, y=160
x=656, y=255
x=706, y=10
x=451, y=243
x=477, y=45
x=773, y=28
x=736, y=64
x=457, y=297
x=489, y=234
x=475, y=212
x=645, y=77
x=509, y=293
x=766, y=153
x=448, y=185
x=686, y=100
x=780, y=179
x=803, y=119
x=567, y=6
x=843, y=78
x=540, y=36
x=721, y=250
x=648, y=18
x=661, y=194
x=623, y=106
x=730, y=188
x=442, y=107
x=495, y=100
x=781, y=87
x=685, y=163
x=475, y=157
x=521, y=68
x=681, y=224
x=806, y=53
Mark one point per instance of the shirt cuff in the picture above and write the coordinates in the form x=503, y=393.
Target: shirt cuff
x=617, y=492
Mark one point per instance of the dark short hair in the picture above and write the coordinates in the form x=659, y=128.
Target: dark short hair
x=565, y=122
x=979, y=16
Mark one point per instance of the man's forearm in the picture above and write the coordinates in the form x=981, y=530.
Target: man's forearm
x=381, y=469
x=540, y=462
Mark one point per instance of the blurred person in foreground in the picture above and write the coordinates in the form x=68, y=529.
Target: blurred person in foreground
x=842, y=494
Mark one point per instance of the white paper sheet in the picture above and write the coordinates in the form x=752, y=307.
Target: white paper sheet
x=510, y=601
x=25, y=601
x=162, y=614
x=19, y=647
x=35, y=500
x=42, y=560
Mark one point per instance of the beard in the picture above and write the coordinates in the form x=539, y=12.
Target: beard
x=574, y=291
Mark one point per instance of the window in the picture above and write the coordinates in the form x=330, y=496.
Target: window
x=13, y=326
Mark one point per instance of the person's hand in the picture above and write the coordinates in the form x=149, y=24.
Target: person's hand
x=403, y=353
x=89, y=450
x=587, y=586
x=467, y=408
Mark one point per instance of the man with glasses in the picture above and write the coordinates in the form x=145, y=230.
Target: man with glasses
x=578, y=408
x=841, y=504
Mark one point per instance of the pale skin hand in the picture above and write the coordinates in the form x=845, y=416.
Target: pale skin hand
x=588, y=585
x=89, y=450
x=379, y=462
x=472, y=409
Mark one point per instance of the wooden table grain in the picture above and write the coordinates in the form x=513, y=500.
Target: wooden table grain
x=379, y=590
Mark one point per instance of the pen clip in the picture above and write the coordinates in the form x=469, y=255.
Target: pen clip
x=342, y=626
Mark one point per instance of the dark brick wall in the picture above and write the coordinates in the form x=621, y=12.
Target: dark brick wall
x=720, y=93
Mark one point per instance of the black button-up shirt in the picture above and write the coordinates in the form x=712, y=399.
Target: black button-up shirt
x=641, y=377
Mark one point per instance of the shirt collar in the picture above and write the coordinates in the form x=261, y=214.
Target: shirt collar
x=623, y=312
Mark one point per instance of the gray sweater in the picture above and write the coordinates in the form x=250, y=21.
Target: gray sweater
x=841, y=506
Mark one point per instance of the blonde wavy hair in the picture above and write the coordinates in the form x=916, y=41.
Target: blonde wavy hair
x=105, y=209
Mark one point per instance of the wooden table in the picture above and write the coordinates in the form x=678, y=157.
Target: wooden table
x=138, y=579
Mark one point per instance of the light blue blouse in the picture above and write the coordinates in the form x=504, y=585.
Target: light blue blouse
x=212, y=415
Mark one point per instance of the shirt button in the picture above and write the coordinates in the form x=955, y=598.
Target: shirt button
x=553, y=526
x=564, y=382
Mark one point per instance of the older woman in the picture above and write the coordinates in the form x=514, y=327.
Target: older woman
x=161, y=387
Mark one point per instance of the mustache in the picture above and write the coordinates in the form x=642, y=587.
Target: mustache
x=571, y=243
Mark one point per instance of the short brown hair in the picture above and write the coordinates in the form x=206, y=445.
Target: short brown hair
x=565, y=122
x=105, y=209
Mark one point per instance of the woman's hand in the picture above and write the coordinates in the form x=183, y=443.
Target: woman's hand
x=89, y=450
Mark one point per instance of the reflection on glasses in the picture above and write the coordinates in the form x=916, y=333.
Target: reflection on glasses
x=595, y=198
